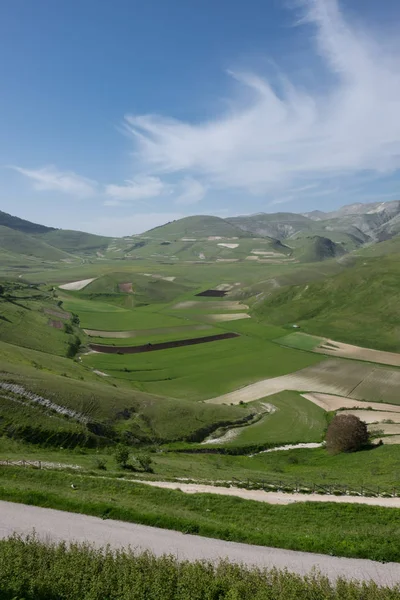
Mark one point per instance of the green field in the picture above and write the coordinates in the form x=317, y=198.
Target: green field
x=294, y=420
x=203, y=371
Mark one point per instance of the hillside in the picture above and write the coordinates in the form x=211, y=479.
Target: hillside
x=18, y=224
x=276, y=225
x=359, y=305
x=19, y=243
x=199, y=226
x=76, y=242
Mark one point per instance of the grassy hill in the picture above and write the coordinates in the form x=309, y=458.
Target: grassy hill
x=17, y=242
x=22, y=225
x=76, y=242
x=359, y=305
x=201, y=226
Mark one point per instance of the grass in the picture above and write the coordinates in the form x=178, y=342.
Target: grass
x=358, y=306
x=33, y=570
x=203, y=371
x=343, y=530
x=28, y=246
x=301, y=341
x=296, y=420
x=106, y=316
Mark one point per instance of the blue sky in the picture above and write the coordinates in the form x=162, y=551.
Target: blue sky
x=116, y=117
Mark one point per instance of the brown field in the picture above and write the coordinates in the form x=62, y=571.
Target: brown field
x=334, y=348
x=228, y=317
x=222, y=305
x=125, y=288
x=333, y=376
x=330, y=402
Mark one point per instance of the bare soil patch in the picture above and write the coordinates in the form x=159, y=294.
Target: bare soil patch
x=334, y=348
x=76, y=285
x=231, y=246
x=223, y=305
x=213, y=293
x=228, y=317
x=330, y=402
x=270, y=253
x=161, y=346
x=386, y=428
x=125, y=288
x=55, y=324
x=375, y=416
x=59, y=314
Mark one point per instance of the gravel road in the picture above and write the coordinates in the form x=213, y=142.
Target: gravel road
x=57, y=525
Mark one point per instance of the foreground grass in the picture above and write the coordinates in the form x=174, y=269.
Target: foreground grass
x=32, y=570
x=345, y=530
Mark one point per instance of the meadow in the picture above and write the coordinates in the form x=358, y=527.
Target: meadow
x=342, y=530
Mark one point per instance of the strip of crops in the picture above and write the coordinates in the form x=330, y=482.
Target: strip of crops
x=31, y=570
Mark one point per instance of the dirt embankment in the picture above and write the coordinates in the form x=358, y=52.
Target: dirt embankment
x=160, y=346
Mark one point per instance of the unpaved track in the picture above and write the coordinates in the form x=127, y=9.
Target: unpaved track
x=56, y=525
x=271, y=497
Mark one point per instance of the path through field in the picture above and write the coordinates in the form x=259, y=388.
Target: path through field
x=271, y=497
x=56, y=525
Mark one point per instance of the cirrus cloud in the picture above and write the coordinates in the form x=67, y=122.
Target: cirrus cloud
x=288, y=135
x=51, y=179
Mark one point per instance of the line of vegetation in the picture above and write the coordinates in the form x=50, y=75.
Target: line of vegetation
x=33, y=570
x=352, y=530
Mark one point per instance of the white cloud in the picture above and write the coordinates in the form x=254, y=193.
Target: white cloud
x=192, y=191
x=140, y=188
x=291, y=136
x=51, y=179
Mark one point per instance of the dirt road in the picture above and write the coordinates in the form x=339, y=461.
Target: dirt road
x=56, y=525
x=271, y=497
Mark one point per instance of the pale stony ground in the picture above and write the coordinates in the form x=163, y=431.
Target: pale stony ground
x=212, y=305
x=228, y=317
x=334, y=348
x=231, y=246
x=331, y=402
x=386, y=428
x=270, y=497
x=76, y=285
x=55, y=525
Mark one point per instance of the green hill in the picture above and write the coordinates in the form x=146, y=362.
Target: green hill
x=316, y=248
x=17, y=242
x=18, y=224
x=359, y=305
x=200, y=226
x=76, y=242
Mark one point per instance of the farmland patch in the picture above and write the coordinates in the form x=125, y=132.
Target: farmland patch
x=160, y=346
x=77, y=285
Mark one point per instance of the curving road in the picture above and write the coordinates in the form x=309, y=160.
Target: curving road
x=56, y=525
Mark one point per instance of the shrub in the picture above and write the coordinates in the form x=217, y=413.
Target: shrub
x=346, y=433
x=121, y=455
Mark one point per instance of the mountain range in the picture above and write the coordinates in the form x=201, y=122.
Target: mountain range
x=328, y=234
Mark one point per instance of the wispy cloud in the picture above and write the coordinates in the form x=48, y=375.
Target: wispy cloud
x=192, y=191
x=140, y=188
x=288, y=135
x=53, y=180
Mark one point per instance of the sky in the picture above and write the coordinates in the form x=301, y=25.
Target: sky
x=119, y=116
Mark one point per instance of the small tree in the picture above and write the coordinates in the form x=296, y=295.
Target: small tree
x=144, y=461
x=122, y=455
x=346, y=433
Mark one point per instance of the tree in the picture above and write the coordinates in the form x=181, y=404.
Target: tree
x=144, y=461
x=122, y=455
x=346, y=433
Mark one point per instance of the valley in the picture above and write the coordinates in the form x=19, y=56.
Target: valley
x=202, y=344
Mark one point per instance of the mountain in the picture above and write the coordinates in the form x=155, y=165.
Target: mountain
x=199, y=226
x=21, y=237
x=276, y=225
x=18, y=224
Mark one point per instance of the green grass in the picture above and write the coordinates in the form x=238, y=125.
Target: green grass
x=295, y=420
x=203, y=371
x=34, y=570
x=358, y=306
x=76, y=242
x=24, y=323
x=301, y=341
x=28, y=246
x=343, y=530
x=106, y=316
x=156, y=338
